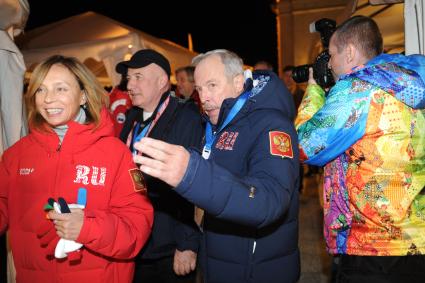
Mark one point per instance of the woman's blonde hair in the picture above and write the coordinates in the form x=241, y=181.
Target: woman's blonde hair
x=97, y=97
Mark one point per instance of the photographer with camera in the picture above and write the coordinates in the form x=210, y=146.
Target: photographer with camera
x=321, y=72
x=369, y=133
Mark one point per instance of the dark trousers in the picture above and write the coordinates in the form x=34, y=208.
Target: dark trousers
x=3, y=259
x=159, y=271
x=381, y=269
x=301, y=175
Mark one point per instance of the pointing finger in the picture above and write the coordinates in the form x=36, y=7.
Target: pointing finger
x=156, y=144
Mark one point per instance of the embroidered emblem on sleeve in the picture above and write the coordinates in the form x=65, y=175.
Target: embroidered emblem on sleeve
x=139, y=184
x=280, y=144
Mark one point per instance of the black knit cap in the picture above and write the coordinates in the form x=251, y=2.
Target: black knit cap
x=141, y=59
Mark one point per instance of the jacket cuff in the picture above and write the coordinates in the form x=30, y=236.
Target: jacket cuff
x=84, y=235
x=189, y=245
x=316, y=91
x=190, y=173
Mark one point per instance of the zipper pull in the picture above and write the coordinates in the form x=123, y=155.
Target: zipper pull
x=59, y=147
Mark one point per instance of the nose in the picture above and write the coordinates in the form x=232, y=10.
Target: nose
x=130, y=84
x=49, y=96
x=203, y=96
x=203, y=92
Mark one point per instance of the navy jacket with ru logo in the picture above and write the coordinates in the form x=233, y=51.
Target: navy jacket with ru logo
x=248, y=188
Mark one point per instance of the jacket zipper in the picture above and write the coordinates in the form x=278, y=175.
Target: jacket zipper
x=54, y=189
x=251, y=259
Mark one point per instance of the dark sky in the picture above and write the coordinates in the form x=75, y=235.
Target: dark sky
x=245, y=27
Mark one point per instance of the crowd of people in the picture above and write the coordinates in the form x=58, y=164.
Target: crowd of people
x=104, y=187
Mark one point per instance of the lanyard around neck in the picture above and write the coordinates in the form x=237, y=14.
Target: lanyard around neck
x=146, y=130
x=210, y=136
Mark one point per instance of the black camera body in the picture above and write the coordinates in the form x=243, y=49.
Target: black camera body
x=321, y=72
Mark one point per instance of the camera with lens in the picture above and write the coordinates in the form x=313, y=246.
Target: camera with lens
x=321, y=72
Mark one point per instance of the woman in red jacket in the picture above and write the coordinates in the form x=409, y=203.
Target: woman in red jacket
x=71, y=153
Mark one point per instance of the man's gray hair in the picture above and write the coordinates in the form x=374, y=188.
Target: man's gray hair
x=233, y=64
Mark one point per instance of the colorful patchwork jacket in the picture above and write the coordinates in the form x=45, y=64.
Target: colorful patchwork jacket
x=369, y=132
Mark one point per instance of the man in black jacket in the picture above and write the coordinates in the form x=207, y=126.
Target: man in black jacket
x=172, y=247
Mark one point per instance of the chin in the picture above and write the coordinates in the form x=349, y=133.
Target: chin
x=55, y=122
x=54, y=125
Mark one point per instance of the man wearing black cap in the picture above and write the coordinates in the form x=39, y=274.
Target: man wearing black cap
x=170, y=254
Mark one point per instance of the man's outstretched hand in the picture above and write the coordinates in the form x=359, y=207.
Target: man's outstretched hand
x=166, y=161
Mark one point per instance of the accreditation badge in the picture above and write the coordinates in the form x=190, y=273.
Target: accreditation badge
x=139, y=183
x=280, y=144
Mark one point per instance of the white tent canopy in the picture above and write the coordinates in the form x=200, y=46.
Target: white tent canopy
x=91, y=36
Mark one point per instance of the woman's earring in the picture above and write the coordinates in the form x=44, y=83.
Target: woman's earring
x=85, y=99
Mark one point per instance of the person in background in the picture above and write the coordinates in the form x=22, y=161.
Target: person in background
x=263, y=66
x=251, y=208
x=120, y=102
x=294, y=89
x=369, y=132
x=186, y=85
x=186, y=88
x=297, y=96
x=170, y=255
x=13, y=18
x=71, y=148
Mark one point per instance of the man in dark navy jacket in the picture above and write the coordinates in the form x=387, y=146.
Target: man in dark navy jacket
x=246, y=178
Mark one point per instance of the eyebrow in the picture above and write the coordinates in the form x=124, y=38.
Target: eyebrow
x=57, y=83
x=207, y=82
x=137, y=73
x=61, y=82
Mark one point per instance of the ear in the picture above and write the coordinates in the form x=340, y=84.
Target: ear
x=238, y=83
x=351, y=53
x=162, y=81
